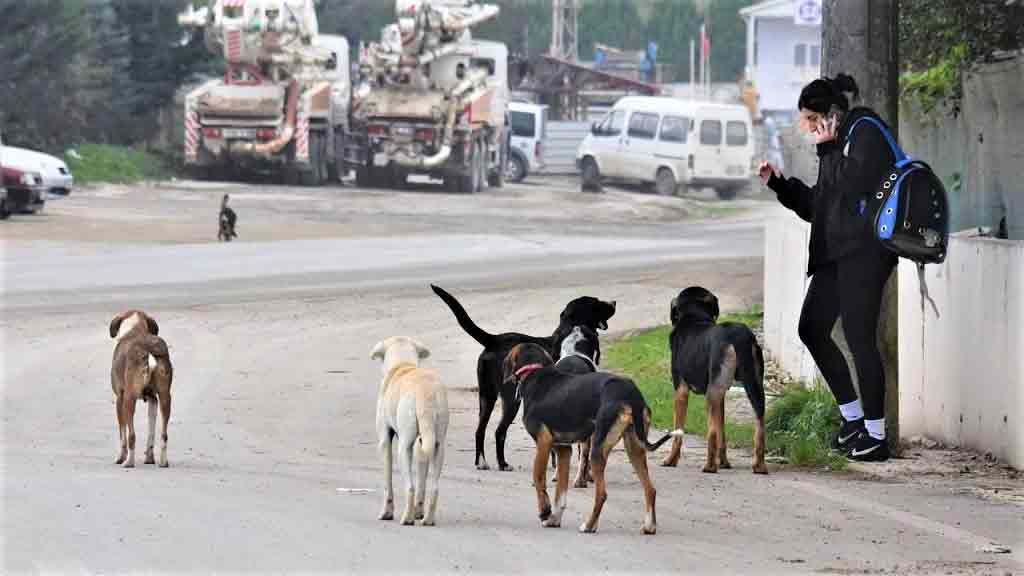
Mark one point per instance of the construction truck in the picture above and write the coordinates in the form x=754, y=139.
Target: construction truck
x=431, y=100
x=284, y=99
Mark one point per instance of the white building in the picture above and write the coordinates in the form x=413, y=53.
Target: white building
x=783, y=52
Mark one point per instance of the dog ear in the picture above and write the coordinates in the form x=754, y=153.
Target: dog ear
x=421, y=350
x=154, y=328
x=713, y=300
x=378, y=351
x=508, y=366
x=673, y=311
x=115, y=324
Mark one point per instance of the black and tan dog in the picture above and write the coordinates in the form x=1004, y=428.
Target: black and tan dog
x=141, y=368
x=560, y=409
x=585, y=311
x=226, y=221
x=706, y=359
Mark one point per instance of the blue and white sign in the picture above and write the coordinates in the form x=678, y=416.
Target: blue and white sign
x=807, y=12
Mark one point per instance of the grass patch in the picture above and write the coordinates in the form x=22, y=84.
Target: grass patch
x=114, y=164
x=646, y=359
x=799, y=424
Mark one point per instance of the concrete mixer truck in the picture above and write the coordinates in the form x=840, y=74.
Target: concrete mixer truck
x=283, y=101
x=431, y=100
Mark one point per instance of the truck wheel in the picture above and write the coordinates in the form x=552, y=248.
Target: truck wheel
x=317, y=166
x=665, y=182
x=482, y=154
x=469, y=179
x=5, y=212
x=335, y=159
x=591, y=175
x=497, y=176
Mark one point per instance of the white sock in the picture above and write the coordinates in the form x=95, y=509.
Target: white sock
x=852, y=410
x=876, y=428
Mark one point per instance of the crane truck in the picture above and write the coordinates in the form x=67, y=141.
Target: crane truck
x=283, y=101
x=431, y=100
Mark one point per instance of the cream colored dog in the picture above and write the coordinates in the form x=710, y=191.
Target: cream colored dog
x=411, y=403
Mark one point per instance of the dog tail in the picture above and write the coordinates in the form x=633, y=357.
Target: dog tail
x=485, y=339
x=753, y=380
x=643, y=426
x=430, y=404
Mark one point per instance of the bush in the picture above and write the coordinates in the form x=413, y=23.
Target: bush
x=114, y=164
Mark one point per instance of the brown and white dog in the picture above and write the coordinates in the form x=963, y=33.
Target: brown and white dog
x=412, y=404
x=141, y=369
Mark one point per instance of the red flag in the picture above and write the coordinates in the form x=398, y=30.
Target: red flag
x=705, y=41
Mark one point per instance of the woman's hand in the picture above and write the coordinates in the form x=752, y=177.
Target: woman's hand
x=765, y=171
x=826, y=130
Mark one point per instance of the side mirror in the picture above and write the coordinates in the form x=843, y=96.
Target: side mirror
x=594, y=129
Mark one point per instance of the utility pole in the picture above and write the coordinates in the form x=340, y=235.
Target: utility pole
x=860, y=39
x=564, y=39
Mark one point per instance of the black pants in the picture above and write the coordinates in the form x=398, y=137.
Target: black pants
x=851, y=289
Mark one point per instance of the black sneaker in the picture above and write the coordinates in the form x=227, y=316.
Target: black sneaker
x=848, y=432
x=867, y=448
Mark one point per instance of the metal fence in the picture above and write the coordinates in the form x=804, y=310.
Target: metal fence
x=563, y=139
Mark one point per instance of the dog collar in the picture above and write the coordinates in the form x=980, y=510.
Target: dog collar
x=528, y=369
x=578, y=355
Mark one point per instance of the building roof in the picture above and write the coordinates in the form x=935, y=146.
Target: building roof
x=769, y=9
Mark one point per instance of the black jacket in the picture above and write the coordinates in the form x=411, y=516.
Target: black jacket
x=835, y=206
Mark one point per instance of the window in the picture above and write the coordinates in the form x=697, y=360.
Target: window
x=673, y=129
x=643, y=125
x=711, y=133
x=612, y=124
x=523, y=124
x=800, y=55
x=735, y=133
x=487, y=63
x=815, y=55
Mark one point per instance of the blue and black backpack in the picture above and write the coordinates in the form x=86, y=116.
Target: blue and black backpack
x=910, y=206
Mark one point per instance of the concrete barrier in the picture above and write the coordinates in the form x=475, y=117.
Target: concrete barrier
x=962, y=370
x=785, y=282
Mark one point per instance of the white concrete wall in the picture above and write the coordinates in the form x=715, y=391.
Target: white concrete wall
x=962, y=372
x=785, y=282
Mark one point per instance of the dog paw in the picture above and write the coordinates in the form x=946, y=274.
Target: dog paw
x=164, y=464
x=129, y=464
x=419, y=514
x=760, y=469
x=150, y=460
x=725, y=464
x=709, y=469
x=389, y=515
x=552, y=522
x=483, y=466
x=120, y=460
x=579, y=484
x=670, y=462
x=408, y=521
x=428, y=522
x=649, y=529
x=506, y=468
x=584, y=529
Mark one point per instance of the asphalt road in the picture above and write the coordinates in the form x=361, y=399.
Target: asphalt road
x=274, y=394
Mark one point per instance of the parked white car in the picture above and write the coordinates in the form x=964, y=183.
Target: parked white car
x=529, y=132
x=669, y=143
x=57, y=179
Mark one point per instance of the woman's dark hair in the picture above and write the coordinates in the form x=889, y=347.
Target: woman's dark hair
x=820, y=95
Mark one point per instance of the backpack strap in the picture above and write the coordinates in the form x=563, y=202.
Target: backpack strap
x=902, y=158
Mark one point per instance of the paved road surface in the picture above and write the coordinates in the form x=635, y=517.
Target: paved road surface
x=274, y=400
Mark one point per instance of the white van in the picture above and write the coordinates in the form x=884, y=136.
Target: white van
x=670, y=143
x=528, y=123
